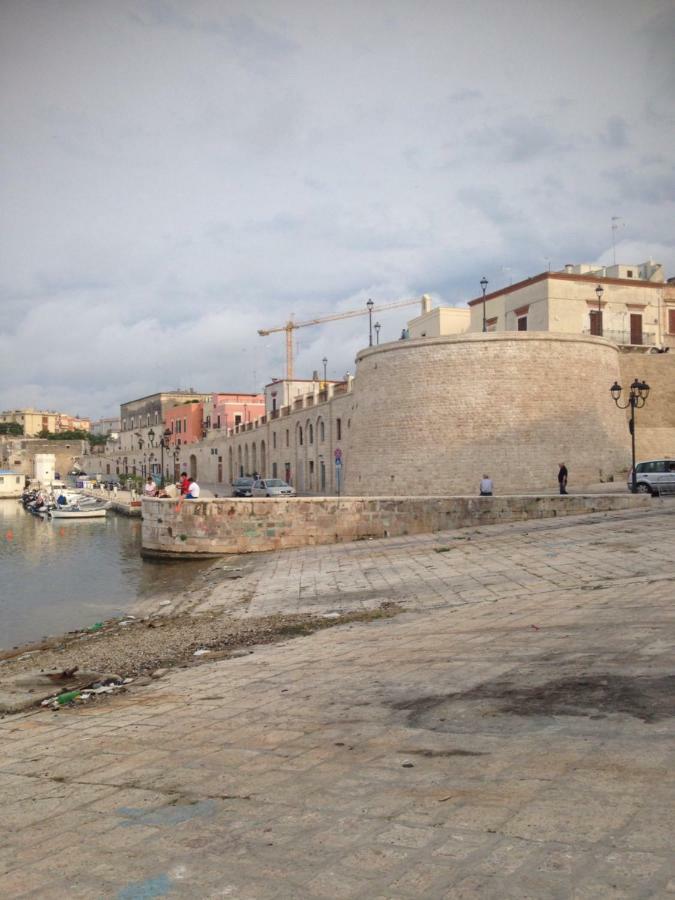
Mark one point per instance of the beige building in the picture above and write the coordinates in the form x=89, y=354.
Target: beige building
x=631, y=306
x=32, y=421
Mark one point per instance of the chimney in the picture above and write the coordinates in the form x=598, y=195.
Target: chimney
x=426, y=303
x=568, y=268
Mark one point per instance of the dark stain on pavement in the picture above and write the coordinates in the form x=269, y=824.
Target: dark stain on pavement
x=646, y=697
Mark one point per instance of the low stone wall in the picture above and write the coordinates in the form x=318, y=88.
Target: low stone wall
x=217, y=527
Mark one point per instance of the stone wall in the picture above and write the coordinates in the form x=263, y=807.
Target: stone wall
x=655, y=431
x=217, y=527
x=431, y=416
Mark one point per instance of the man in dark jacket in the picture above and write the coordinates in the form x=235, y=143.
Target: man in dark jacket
x=562, y=478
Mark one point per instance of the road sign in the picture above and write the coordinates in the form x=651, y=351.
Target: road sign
x=338, y=462
x=338, y=454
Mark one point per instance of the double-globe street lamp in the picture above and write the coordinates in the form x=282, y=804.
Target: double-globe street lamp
x=377, y=327
x=639, y=391
x=599, y=291
x=484, y=283
x=163, y=443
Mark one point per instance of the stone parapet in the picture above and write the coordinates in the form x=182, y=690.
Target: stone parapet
x=216, y=527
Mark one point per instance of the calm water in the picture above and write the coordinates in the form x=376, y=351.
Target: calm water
x=57, y=576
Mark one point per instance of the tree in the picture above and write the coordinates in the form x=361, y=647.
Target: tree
x=11, y=428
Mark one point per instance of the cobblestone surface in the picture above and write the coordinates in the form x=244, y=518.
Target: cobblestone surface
x=510, y=734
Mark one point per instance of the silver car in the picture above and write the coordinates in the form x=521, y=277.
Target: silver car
x=272, y=487
x=654, y=477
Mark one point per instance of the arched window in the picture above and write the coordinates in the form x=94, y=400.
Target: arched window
x=322, y=431
x=300, y=435
x=310, y=432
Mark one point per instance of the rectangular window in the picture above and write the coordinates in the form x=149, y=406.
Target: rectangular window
x=237, y=420
x=671, y=321
x=636, y=328
x=274, y=442
x=287, y=437
x=185, y=426
x=629, y=273
x=522, y=323
x=338, y=429
x=596, y=322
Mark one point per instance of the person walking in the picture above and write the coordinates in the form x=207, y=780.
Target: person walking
x=562, y=477
x=486, y=486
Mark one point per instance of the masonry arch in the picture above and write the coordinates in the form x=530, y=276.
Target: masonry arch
x=193, y=466
x=263, y=460
x=254, y=458
x=247, y=468
x=240, y=464
x=230, y=461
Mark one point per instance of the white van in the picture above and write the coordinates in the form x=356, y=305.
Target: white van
x=654, y=477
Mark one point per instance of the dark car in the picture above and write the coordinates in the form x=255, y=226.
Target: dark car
x=241, y=487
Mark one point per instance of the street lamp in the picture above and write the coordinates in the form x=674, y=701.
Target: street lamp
x=484, y=284
x=639, y=391
x=370, y=306
x=599, y=292
x=151, y=437
x=163, y=442
x=325, y=363
x=377, y=327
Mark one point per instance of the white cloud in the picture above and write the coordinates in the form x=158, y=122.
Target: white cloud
x=176, y=176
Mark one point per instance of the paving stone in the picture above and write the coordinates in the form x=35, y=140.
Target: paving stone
x=537, y=759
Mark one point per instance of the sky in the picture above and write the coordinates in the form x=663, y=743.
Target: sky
x=176, y=174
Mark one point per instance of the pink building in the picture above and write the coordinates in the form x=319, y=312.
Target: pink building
x=225, y=411
x=185, y=422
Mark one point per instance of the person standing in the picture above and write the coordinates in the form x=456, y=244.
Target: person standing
x=562, y=477
x=486, y=486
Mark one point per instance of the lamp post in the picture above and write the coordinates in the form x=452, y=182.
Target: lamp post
x=325, y=363
x=599, y=292
x=639, y=391
x=377, y=327
x=176, y=456
x=163, y=442
x=484, y=284
x=370, y=306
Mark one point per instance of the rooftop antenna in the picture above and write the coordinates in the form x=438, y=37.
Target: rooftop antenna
x=615, y=228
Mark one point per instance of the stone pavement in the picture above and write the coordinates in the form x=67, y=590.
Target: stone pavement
x=509, y=735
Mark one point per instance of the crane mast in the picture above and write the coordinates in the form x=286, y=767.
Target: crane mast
x=291, y=325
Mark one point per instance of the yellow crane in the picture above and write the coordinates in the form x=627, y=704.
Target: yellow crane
x=291, y=325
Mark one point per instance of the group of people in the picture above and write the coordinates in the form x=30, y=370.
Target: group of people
x=486, y=487
x=189, y=489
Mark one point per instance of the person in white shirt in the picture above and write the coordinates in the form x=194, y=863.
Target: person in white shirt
x=486, y=486
x=150, y=489
x=192, y=491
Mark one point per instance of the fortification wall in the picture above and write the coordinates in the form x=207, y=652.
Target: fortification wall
x=430, y=416
x=217, y=527
x=655, y=431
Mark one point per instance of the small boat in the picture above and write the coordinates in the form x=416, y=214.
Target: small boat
x=86, y=511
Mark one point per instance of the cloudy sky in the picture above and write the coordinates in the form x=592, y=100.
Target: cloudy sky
x=176, y=174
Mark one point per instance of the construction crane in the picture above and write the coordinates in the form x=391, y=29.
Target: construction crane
x=291, y=326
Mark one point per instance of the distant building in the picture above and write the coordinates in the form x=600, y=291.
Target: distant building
x=34, y=421
x=224, y=411
x=11, y=484
x=632, y=306
x=105, y=427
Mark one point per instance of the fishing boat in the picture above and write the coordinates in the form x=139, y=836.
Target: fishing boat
x=86, y=511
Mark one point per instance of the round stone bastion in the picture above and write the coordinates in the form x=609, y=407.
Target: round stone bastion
x=432, y=415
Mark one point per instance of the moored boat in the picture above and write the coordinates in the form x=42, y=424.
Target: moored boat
x=86, y=511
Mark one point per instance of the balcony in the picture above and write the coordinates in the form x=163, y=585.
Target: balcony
x=624, y=338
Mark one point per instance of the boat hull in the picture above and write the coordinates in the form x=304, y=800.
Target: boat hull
x=78, y=513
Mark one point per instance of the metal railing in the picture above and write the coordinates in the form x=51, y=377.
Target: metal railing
x=648, y=338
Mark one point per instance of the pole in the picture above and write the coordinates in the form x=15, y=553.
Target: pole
x=370, y=326
x=633, y=486
x=161, y=478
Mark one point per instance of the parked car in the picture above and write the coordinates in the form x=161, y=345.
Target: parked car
x=272, y=487
x=241, y=487
x=654, y=477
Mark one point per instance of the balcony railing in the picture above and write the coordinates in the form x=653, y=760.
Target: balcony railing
x=648, y=338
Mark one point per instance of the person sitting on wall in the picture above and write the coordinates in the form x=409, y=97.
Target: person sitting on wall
x=193, y=490
x=184, y=483
x=486, y=486
x=150, y=488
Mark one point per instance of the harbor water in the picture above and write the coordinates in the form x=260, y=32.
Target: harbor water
x=60, y=575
